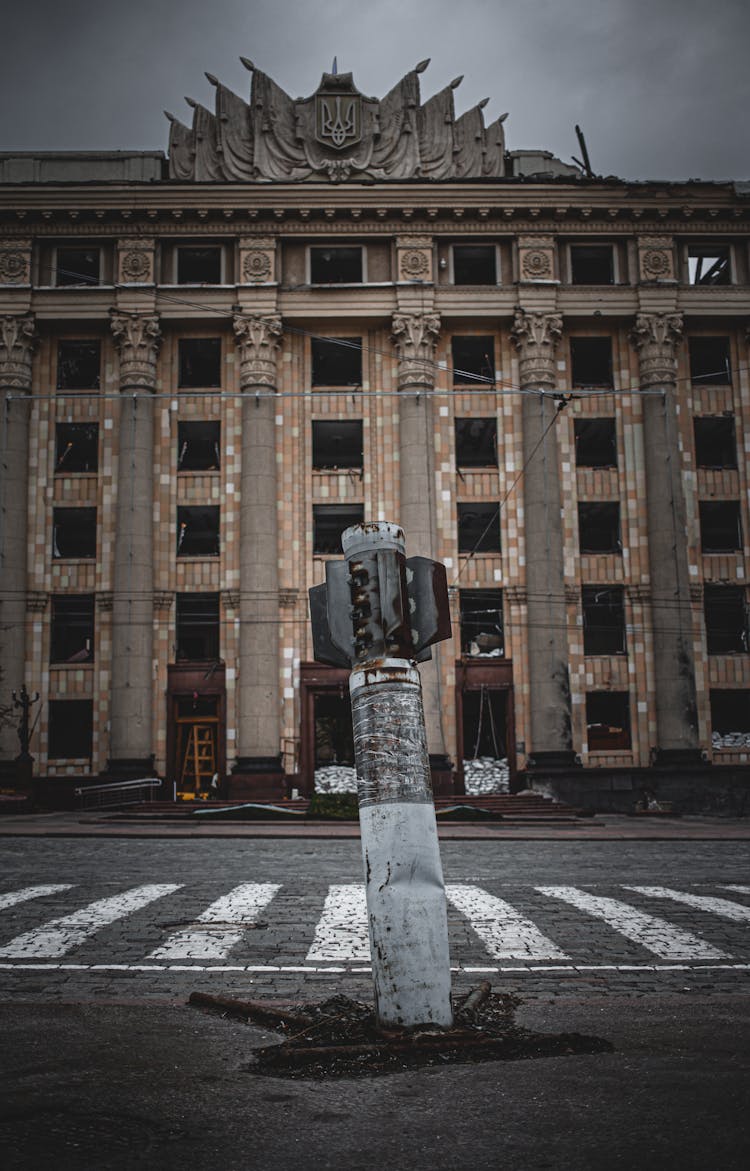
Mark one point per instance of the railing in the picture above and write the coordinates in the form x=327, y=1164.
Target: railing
x=117, y=794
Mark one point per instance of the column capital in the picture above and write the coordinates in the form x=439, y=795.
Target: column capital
x=416, y=336
x=535, y=336
x=656, y=336
x=137, y=338
x=257, y=339
x=18, y=338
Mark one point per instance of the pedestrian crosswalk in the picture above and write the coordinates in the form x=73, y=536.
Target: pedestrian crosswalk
x=537, y=928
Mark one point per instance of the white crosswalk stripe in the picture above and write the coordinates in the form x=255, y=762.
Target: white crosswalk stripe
x=657, y=935
x=12, y=897
x=503, y=931
x=724, y=907
x=341, y=933
x=224, y=924
x=741, y=890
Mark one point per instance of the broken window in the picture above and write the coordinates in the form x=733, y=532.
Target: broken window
x=479, y=527
x=198, y=446
x=77, y=266
x=730, y=718
x=78, y=365
x=335, y=266
x=592, y=264
x=198, y=531
x=72, y=628
x=603, y=620
x=721, y=526
x=708, y=264
x=715, y=441
x=485, y=732
x=336, y=361
x=474, y=264
x=726, y=614
x=76, y=447
x=599, y=527
x=197, y=627
x=607, y=720
x=71, y=729
x=329, y=522
x=334, y=737
x=199, y=362
x=482, y=622
x=337, y=443
x=476, y=443
x=591, y=361
x=73, y=533
x=473, y=360
x=596, y=443
x=199, y=265
x=709, y=360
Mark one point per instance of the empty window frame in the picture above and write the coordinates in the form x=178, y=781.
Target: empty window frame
x=70, y=729
x=608, y=721
x=603, y=620
x=482, y=630
x=592, y=264
x=334, y=736
x=198, y=446
x=329, y=522
x=474, y=264
x=336, y=266
x=596, y=443
x=77, y=266
x=72, y=628
x=78, y=365
x=599, y=527
x=721, y=526
x=479, y=527
x=199, y=363
x=76, y=448
x=199, y=264
x=473, y=360
x=336, y=443
x=336, y=361
x=197, y=627
x=726, y=613
x=709, y=264
x=709, y=360
x=715, y=441
x=476, y=443
x=198, y=531
x=73, y=533
x=591, y=361
x=730, y=718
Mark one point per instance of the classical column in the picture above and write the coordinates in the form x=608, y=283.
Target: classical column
x=656, y=337
x=258, y=706
x=536, y=335
x=17, y=338
x=137, y=337
x=415, y=336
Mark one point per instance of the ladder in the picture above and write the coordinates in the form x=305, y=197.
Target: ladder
x=199, y=762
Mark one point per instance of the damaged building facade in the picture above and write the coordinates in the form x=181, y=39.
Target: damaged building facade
x=316, y=312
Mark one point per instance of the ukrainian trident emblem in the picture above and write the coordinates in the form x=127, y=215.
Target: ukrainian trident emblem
x=338, y=119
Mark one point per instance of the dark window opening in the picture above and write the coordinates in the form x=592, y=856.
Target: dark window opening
x=708, y=264
x=474, y=264
x=76, y=447
x=715, y=441
x=77, y=266
x=730, y=718
x=721, y=526
x=329, y=522
x=482, y=622
x=198, y=531
x=337, y=361
x=200, y=362
x=71, y=729
x=603, y=620
x=337, y=444
x=599, y=527
x=596, y=443
x=592, y=264
x=726, y=613
x=479, y=528
x=73, y=532
x=72, y=629
x=197, y=627
x=199, y=266
x=334, y=738
x=198, y=446
x=473, y=360
x=607, y=720
x=78, y=365
x=336, y=266
x=485, y=728
x=476, y=443
x=709, y=360
x=591, y=361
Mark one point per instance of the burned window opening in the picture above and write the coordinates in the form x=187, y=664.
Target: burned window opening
x=72, y=628
x=474, y=264
x=198, y=531
x=476, y=443
x=197, y=628
x=336, y=361
x=596, y=443
x=599, y=527
x=479, y=527
x=592, y=264
x=198, y=446
x=199, y=265
x=77, y=266
x=708, y=264
x=721, y=526
x=715, y=441
x=336, y=266
x=730, y=718
x=76, y=448
x=603, y=620
x=726, y=613
x=71, y=729
x=591, y=361
x=78, y=365
x=485, y=724
x=482, y=628
x=473, y=360
x=334, y=737
x=199, y=363
x=337, y=443
x=73, y=533
x=608, y=721
x=709, y=360
x=329, y=522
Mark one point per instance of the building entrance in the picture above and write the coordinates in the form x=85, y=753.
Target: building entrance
x=196, y=733
x=485, y=726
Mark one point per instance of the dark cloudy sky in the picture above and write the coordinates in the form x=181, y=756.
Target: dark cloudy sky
x=660, y=87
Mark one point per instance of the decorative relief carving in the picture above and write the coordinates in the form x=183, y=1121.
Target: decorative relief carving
x=137, y=337
x=416, y=336
x=415, y=265
x=36, y=603
x=230, y=599
x=535, y=336
x=257, y=260
x=258, y=340
x=656, y=258
x=163, y=600
x=136, y=266
x=17, y=340
x=105, y=601
x=15, y=262
x=656, y=336
x=536, y=258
